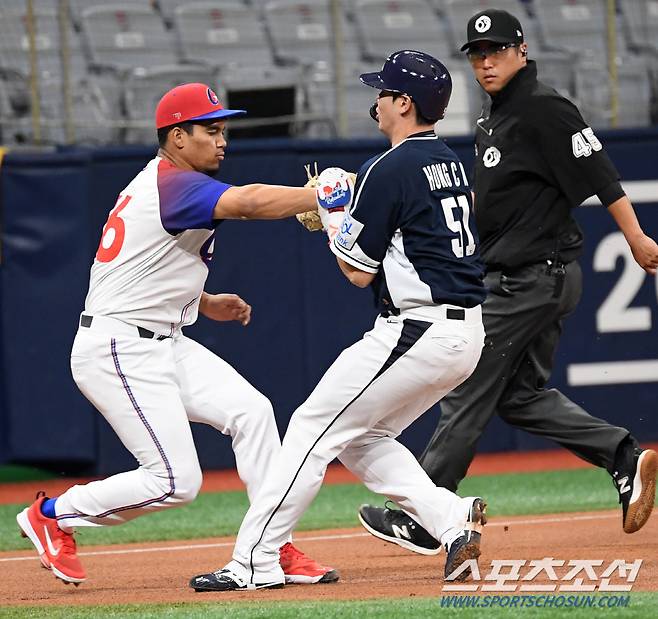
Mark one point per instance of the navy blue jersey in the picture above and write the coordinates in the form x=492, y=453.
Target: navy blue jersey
x=411, y=224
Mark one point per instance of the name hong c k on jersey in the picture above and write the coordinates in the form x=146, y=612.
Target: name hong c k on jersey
x=445, y=175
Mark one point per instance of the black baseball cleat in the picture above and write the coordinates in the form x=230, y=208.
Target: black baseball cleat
x=466, y=545
x=635, y=480
x=395, y=526
x=227, y=580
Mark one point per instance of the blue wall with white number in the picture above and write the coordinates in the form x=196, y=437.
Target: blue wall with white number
x=53, y=207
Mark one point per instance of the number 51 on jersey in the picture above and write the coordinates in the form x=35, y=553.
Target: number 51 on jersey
x=465, y=244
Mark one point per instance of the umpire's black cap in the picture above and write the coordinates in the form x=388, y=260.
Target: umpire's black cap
x=493, y=25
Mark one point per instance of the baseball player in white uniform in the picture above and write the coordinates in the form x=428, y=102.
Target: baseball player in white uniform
x=130, y=357
x=406, y=234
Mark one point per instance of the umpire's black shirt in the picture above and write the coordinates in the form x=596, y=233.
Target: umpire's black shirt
x=536, y=159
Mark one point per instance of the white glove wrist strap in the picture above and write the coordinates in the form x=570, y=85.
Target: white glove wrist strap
x=331, y=221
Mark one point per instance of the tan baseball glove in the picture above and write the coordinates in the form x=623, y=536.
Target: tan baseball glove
x=310, y=219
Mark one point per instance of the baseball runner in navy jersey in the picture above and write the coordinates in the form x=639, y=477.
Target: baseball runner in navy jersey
x=536, y=160
x=408, y=234
x=130, y=357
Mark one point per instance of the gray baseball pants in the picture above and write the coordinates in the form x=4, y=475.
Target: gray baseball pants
x=522, y=316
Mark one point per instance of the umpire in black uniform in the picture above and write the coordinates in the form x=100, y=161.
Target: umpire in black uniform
x=536, y=159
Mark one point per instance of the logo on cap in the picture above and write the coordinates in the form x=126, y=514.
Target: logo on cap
x=483, y=23
x=212, y=97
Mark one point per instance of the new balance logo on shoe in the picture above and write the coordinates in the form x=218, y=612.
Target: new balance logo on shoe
x=401, y=532
x=635, y=480
x=623, y=485
x=397, y=527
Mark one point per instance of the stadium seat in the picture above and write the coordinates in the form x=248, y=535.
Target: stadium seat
x=321, y=99
x=168, y=7
x=464, y=108
x=576, y=26
x=94, y=101
x=126, y=36
x=594, y=95
x=15, y=49
x=16, y=126
x=466, y=101
x=221, y=33
x=77, y=6
x=9, y=117
x=145, y=87
x=557, y=70
x=6, y=111
x=386, y=27
x=252, y=77
x=458, y=119
x=302, y=32
x=641, y=24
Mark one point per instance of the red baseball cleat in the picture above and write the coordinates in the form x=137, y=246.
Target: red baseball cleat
x=56, y=548
x=300, y=569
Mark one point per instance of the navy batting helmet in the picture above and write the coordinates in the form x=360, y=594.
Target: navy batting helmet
x=418, y=75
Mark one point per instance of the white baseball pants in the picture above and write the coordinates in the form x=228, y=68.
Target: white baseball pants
x=373, y=391
x=149, y=391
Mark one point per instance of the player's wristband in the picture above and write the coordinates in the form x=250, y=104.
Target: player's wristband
x=332, y=221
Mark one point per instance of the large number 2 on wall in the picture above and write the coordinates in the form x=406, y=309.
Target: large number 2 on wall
x=616, y=313
x=114, y=233
x=459, y=227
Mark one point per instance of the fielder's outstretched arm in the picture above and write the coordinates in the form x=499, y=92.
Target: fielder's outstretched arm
x=259, y=201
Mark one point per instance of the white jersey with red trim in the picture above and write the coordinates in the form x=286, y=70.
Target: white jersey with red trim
x=151, y=264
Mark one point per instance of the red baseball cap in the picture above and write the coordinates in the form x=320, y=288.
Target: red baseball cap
x=190, y=102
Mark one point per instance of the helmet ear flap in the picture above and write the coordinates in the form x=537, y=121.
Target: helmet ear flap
x=373, y=112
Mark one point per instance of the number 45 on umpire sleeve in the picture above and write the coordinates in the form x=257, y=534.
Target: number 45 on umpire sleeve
x=584, y=142
x=459, y=226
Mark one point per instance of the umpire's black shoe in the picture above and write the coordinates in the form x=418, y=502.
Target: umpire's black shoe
x=635, y=479
x=466, y=545
x=394, y=525
x=227, y=580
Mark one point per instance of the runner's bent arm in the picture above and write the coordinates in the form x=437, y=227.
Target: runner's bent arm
x=356, y=276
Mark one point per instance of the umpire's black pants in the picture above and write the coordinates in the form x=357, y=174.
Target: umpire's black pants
x=522, y=317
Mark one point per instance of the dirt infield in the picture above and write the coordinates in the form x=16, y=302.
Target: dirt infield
x=222, y=481
x=158, y=572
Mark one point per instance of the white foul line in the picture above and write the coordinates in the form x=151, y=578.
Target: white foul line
x=126, y=551
x=313, y=538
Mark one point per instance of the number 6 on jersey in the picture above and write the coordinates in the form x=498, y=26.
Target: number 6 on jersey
x=114, y=233
x=460, y=227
